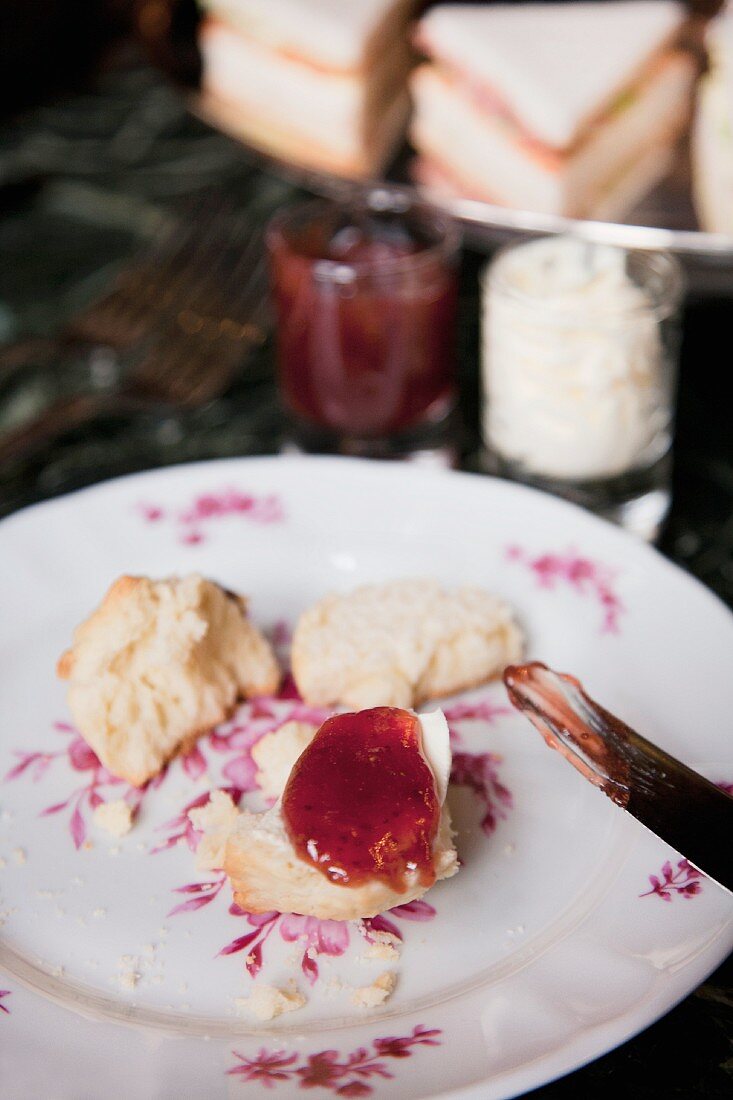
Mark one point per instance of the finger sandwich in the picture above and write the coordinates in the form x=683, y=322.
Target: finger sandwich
x=570, y=109
x=319, y=83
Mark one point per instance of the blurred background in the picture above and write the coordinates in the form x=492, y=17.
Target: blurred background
x=48, y=46
x=101, y=157
x=102, y=148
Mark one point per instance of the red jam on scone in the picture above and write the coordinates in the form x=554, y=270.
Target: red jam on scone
x=361, y=801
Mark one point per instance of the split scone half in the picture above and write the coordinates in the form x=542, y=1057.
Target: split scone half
x=401, y=643
x=158, y=664
x=267, y=872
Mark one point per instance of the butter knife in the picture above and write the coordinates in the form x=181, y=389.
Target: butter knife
x=685, y=810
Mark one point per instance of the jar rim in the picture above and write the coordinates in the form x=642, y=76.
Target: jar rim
x=386, y=199
x=661, y=301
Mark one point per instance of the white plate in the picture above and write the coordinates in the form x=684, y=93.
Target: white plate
x=552, y=944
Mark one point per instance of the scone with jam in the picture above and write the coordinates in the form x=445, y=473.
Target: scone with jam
x=361, y=826
x=401, y=643
x=158, y=664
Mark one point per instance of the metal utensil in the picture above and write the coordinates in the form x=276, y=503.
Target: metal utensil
x=185, y=318
x=680, y=806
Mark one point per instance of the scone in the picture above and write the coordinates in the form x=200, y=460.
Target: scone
x=276, y=752
x=400, y=643
x=268, y=871
x=159, y=663
x=266, y=874
x=214, y=820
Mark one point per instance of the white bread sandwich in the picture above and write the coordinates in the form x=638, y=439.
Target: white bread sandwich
x=363, y=791
x=319, y=83
x=712, y=133
x=569, y=109
x=401, y=643
x=158, y=664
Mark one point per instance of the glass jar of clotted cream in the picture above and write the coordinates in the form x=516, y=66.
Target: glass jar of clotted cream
x=579, y=351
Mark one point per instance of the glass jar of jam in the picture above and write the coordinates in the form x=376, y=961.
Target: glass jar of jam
x=365, y=293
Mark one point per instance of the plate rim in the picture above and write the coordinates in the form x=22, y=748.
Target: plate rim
x=498, y=484
x=594, y=1041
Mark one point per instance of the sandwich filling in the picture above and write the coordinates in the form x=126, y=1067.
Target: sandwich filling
x=491, y=156
x=489, y=101
x=363, y=802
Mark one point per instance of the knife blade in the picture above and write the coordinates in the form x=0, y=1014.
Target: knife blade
x=683, y=808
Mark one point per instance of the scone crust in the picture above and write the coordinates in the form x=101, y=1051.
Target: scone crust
x=158, y=664
x=401, y=643
x=266, y=874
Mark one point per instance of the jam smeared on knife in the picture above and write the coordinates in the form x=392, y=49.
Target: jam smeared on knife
x=361, y=801
x=682, y=807
x=591, y=738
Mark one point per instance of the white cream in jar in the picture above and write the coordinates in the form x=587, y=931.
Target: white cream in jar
x=575, y=374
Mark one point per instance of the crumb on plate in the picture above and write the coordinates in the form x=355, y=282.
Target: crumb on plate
x=386, y=946
x=129, y=974
x=369, y=996
x=115, y=817
x=266, y=1001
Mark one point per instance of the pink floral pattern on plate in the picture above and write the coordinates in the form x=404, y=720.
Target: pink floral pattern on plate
x=180, y=828
x=192, y=520
x=232, y=743
x=319, y=937
x=344, y=1075
x=98, y=786
x=684, y=881
x=228, y=750
x=478, y=710
x=4, y=1008
x=585, y=576
x=199, y=894
x=479, y=772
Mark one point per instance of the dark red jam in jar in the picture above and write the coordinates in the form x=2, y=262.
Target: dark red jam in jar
x=366, y=308
x=361, y=801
